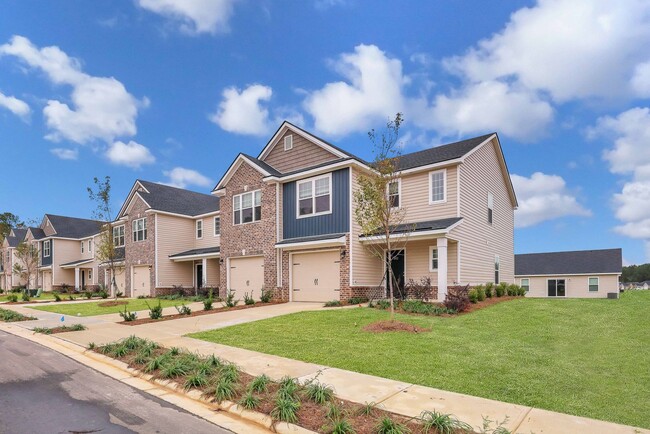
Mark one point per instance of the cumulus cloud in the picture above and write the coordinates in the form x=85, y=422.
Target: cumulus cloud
x=543, y=46
x=132, y=154
x=16, y=106
x=242, y=112
x=371, y=93
x=544, y=197
x=194, y=16
x=490, y=106
x=101, y=108
x=181, y=177
x=65, y=154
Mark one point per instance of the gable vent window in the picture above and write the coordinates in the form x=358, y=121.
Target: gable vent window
x=490, y=206
x=288, y=143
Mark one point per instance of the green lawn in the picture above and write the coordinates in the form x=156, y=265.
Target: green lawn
x=44, y=296
x=93, y=308
x=584, y=357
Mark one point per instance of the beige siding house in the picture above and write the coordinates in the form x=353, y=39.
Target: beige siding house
x=8, y=278
x=576, y=274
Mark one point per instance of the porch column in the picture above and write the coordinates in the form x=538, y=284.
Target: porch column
x=442, y=267
x=204, y=271
x=76, y=278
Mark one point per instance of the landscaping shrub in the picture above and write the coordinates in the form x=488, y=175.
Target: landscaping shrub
x=260, y=383
x=88, y=295
x=65, y=288
x=207, y=304
x=12, y=298
x=473, y=296
x=248, y=299
x=249, y=401
x=25, y=296
x=319, y=393
x=501, y=289
x=57, y=297
x=341, y=426
x=489, y=289
x=480, y=290
x=128, y=316
x=420, y=290
x=103, y=294
x=119, y=294
x=183, y=309
x=389, y=426
x=286, y=410
x=521, y=291
x=357, y=300
x=156, y=311
x=7, y=315
x=440, y=423
x=230, y=299
x=457, y=299
x=418, y=306
x=332, y=303
x=383, y=304
x=266, y=296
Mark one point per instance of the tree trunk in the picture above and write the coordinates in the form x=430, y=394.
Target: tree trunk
x=389, y=267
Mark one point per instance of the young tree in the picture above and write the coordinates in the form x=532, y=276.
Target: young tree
x=105, y=251
x=27, y=265
x=376, y=210
x=8, y=221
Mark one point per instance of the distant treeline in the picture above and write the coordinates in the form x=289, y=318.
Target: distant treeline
x=636, y=273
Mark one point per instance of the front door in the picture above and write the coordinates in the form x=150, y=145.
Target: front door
x=397, y=265
x=556, y=288
x=83, y=280
x=199, y=276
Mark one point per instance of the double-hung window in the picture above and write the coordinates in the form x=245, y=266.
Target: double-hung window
x=497, y=266
x=437, y=186
x=90, y=246
x=433, y=259
x=315, y=196
x=247, y=207
x=199, y=229
x=525, y=284
x=593, y=284
x=217, y=226
x=490, y=205
x=140, y=229
x=118, y=236
x=394, y=188
x=46, y=249
x=82, y=247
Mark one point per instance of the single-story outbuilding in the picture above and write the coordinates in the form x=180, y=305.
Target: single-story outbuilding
x=578, y=274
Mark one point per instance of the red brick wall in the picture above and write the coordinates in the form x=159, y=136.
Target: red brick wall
x=141, y=252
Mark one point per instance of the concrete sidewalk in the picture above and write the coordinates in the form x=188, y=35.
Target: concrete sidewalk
x=399, y=397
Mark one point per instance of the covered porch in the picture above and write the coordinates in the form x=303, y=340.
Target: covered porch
x=83, y=273
x=203, y=264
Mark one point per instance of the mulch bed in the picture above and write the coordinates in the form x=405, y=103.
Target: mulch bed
x=489, y=302
x=56, y=330
x=394, y=326
x=112, y=303
x=197, y=313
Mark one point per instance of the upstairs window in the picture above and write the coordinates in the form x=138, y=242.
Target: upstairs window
x=199, y=229
x=82, y=247
x=394, y=190
x=46, y=249
x=437, y=186
x=118, y=236
x=217, y=226
x=90, y=245
x=140, y=229
x=314, y=196
x=593, y=284
x=247, y=207
x=288, y=143
x=490, y=206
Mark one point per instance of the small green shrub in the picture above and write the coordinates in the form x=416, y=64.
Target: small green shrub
x=248, y=299
x=368, y=409
x=480, y=290
x=215, y=361
x=12, y=298
x=420, y=307
x=440, y=423
x=357, y=300
x=156, y=363
x=501, y=289
x=260, y=383
x=42, y=330
x=489, y=289
x=195, y=380
x=521, y=291
x=224, y=390
x=57, y=297
x=388, y=426
x=183, y=309
x=207, y=304
x=383, y=304
x=266, y=296
x=229, y=372
x=92, y=345
x=25, y=296
x=120, y=351
x=103, y=294
x=155, y=312
x=288, y=388
x=286, y=410
x=341, y=426
x=173, y=369
x=318, y=392
x=128, y=316
x=334, y=412
x=230, y=299
x=7, y=315
x=88, y=295
x=473, y=296
x=332, y=303
x=249, y=401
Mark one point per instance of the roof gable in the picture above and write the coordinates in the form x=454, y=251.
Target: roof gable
x=175, y=200
x=253, y=162
x=73, y=227
x=566, y=263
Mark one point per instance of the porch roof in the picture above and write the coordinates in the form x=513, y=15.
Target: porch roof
x=206, y=252
x=425, y=229
x=76, y=263
x=327, y=240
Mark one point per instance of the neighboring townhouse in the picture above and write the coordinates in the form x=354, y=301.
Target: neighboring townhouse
x=577, y=274
x=288, y=221
x=9, y=279
x=170, y=238
x=67, y=252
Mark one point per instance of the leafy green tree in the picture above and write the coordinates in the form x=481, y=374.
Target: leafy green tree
x=27, y=265
x=105, y=251
x=636, y=273
x=8, y=221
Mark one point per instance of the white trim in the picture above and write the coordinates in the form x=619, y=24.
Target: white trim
x=196, y=229
x=588, y=284
x=49, y=248
x=431, y=249
x=572, y=274
x=458, y=190
x=214, y=226
x=144, y=229
x=289, y=142
x=444, y=191
x=411, y=235
x=313, y=180
x=431, y=167
x=566, y=288
x=458, y=254
x=75, y=265
x=129, y=199
x=278, y=212
x=319, y=170
x=155, y=249
x=234, y=166
x=195, y=256
x=528, y=279
x=351, y=230
x=287, y=126
x=241, y=207
x=399, y=192
x=207, y=214
x=340, y=241
x=123, y=226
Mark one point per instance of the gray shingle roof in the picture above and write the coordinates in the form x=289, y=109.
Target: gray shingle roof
x=576, y=262
x=263, y=165
x=430, y=225
x=311, y=238
x=439, y=154
x=73, y=227
x=38, y=233
x=19, y=237
x=203, y=251
x=77, y=262
x=177, y=200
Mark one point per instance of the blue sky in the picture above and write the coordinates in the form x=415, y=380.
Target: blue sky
x=172, y=90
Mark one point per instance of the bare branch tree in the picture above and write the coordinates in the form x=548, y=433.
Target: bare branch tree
x=105, y=251
x=28, y=256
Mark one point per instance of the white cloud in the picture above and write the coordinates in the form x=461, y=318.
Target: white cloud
x=101, y=109
x=490, y=106
x=65, y=154
x=371, y=94
x=544, y=197
x=242, y=112
x=641, y=80
x=16, y=106
x=194, y=16
x=181, y=177
x=570, y=49
x=633, y=202
x=132, y=154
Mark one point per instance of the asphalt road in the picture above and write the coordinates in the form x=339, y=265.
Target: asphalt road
x=42, y=391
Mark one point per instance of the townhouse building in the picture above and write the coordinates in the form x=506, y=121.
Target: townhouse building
x=8, y=278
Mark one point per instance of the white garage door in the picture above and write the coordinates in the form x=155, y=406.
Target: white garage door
x=120, y=281
x=141, y=284
x=316, y=276
x=247, y=275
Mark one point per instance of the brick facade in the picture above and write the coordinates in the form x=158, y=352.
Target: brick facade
x=250, y=239
x=140, y=252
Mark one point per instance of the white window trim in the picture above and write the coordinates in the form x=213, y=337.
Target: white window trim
x=90, y=246
x=566, y=288
x=431, y=269
x=49, y=251
x=214, y=228
x=241, y=208
x=521, y=282
x=89, y=274
x=444, y=190
x=123, y=235
x=497, y=262
x=196, y=227
x=134, y=231
x=598, y=284
x=313, y=189
x=399, y=192
x=490, y=205
x=82, y=247
x=290, y=147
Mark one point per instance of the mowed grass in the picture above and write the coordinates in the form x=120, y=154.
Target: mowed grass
x=44, y=296
x=583, y=357
x=94, y=308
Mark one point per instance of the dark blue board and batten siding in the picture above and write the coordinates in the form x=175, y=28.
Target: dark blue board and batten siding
x=336, y=222
x=47, y=260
